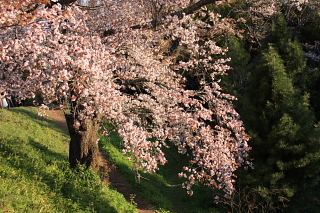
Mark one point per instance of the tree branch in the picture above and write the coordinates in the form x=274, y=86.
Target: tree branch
x=188, y=10
x=193, y=8
x=63, y=2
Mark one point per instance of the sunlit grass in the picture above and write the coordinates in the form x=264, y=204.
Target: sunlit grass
x=35, y=174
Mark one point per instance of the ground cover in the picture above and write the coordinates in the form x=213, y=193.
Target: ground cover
x=163, y=189
x=35, y=174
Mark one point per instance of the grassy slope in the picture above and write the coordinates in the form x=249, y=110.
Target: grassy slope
x=34, y=172
x=163, y=189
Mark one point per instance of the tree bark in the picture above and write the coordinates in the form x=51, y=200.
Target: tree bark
x=84, y=148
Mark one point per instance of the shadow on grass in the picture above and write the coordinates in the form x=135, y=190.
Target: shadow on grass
x=52, y=169
x=32, y=114
x=48, y=155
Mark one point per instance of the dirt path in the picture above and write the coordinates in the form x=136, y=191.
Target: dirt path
x=115, y=179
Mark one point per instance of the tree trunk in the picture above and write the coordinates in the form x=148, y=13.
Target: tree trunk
x=83, y=148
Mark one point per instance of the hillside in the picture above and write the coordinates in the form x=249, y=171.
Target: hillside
x=35, y=174
x=34, y=170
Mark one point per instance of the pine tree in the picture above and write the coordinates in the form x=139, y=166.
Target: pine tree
x=236, y=81
x=291, y=51
x=285, y=137
x=276, y=109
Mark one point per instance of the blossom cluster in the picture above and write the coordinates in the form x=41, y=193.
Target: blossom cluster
x=131, y=79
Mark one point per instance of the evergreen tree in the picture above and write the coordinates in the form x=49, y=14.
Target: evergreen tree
x=291, y=51
x=285, y=138
x=236, y=81
x=278, y=116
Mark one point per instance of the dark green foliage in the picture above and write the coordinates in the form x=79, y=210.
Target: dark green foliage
x=279, y=101
x=291, y=51
x=285, y=138
x=236, y=81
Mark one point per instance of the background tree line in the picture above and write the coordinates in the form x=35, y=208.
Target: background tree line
x=275, y=77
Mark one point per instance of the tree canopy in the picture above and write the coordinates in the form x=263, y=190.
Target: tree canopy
x=129, y=78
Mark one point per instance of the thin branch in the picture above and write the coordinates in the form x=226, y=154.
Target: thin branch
x=193, y=8
x=188, y=10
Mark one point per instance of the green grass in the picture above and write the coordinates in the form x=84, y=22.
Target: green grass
x=35, y=174
x=163, y=189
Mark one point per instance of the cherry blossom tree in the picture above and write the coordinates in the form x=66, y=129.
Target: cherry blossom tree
x=116, y=64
